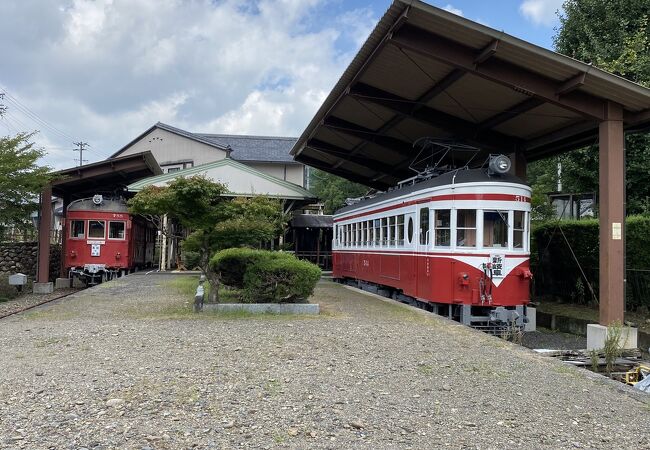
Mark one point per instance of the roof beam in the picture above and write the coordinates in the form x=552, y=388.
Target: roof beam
x=504, y=116
x=322, y=165
x=463, y=130
x=487, y=52
x=341, y=153
x=567, y=138
x=571, y=84
x=366, y=134
x=498, y=71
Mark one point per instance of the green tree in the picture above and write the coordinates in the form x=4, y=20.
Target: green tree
x=215, y=220
x=333, y=190
x=21, y=179
x=613, y=35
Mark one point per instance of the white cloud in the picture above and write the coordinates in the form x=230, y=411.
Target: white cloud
x=541, y=12
x=453, y=10
x=104, y=71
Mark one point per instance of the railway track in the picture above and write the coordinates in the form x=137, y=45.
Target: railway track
x=27, y=308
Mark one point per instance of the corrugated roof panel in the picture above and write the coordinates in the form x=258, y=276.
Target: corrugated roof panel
x=379, y=153
x=536, y=121
x=416, y=129
x=360, y=113
x=475, y=99
x=337, y=138
x=408, y=82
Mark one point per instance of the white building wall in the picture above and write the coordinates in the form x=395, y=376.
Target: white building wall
x=292, y=173
x=169, y=148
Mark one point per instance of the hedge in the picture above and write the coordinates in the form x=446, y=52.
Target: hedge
x=266, y=276
x=231, y=264
x=556, y=271
x=280, y=280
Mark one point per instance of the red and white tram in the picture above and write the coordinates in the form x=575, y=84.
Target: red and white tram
x=457, y=244
x=102, y=240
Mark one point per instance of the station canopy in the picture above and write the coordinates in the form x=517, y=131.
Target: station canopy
x=104, y=176
x=425, y=75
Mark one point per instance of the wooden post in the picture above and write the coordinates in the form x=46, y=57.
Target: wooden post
x=612, y=215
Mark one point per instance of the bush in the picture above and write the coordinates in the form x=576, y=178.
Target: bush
x=191, y=260
x=266, y=276
x=280, y=280
x=7, y=291
x=232, y=263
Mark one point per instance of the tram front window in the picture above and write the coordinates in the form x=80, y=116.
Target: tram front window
x=495, y=229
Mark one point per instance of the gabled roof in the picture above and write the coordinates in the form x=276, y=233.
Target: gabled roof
x=242, y=181
x=255, y=148
x=244, y=148
x=176, y=131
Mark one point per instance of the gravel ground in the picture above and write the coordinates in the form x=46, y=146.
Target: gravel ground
x=124, y=365
x=27, y=300
x=553, y=340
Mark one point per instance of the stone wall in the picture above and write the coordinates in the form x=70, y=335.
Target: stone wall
x=21, y=257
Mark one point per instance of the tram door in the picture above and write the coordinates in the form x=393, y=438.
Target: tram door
x=424, y=277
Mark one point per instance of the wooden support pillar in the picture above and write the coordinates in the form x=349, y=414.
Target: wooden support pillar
x=612, y=215
x=64, y=231
x=44, y=226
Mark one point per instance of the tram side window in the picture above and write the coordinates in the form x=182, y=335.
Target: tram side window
x=391, y=230
x=424, y=226
x=336, y=233
x=466, y=228
x=518, y=229
x=96, y=229
x=377, y=228
x=495, y=229
x=400, y=230
x=77, y=229
x=384, y=231
x=442, y=228
x=410, y=229
x=116, y=230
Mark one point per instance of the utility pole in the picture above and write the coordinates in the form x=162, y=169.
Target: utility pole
x=81, y=146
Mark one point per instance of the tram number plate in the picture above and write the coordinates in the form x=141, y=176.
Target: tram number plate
x=498, y=265
x=95, y=249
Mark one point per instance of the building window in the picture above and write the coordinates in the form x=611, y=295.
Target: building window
x=173, y=169
x=96, y=229
x=495, y=229
x=116, y=230
x=466, y=228
x=442, y=228
x=77, y=229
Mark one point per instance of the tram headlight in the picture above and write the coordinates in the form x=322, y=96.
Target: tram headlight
x=499, y=164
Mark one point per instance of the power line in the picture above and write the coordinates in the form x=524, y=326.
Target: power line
x=32, y=115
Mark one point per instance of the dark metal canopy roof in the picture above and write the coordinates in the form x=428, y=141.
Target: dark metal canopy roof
x=425, y=72
x=109, y=175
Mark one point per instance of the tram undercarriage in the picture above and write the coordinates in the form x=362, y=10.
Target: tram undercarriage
x=496, y=320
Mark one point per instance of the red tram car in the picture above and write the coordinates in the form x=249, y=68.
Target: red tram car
x=457, y=244
x=102, y=240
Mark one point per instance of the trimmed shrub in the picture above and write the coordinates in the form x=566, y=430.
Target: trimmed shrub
x=280, y=280
x=232, y=263
x=190, y=259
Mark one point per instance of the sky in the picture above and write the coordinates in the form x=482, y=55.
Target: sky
x=104, y=71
